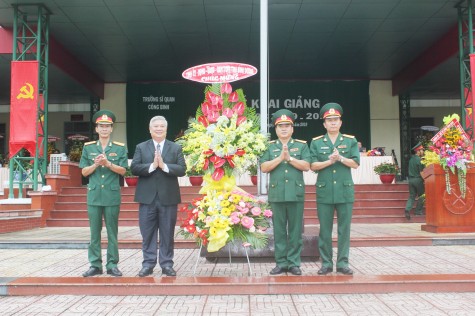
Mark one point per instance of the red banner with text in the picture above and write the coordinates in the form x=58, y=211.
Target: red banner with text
x=23, y=106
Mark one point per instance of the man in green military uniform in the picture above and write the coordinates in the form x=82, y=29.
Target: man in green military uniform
x=333, y=156
x=285, y=160
x=103, y=161
x=416, y=183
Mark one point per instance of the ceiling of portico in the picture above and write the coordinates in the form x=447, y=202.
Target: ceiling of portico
x=155, y=40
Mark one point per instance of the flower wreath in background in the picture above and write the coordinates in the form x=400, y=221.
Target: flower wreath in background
x=451, y=148
x=223, y=141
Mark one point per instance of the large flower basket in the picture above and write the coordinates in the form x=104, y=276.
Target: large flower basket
x=448, y=213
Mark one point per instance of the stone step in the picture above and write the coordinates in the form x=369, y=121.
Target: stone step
x=222, y=285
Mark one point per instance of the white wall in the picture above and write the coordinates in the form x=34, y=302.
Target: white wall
x=384, y=117
x=114, y=100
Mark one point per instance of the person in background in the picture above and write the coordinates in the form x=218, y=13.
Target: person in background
x=285, y=160
x=361, y=149
x=416, y=183
x=102, y=161
x=158, y=162
x=333, y=156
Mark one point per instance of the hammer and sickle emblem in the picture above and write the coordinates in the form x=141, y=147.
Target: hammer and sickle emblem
x=26, y=92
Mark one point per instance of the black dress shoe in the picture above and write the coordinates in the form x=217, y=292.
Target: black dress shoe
x=345, y=270
x=295, y=271
x=114, y=271
x=277, y=270
x=325, y=270
x=92, y=272
x=408, y=215
x=168, y=271
x=145, y=271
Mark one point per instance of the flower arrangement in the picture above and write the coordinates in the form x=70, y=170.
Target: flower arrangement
x=220, y=216
x=451, y=148
x=192, y=171
x=76, y=143
x=377, y=151
x=224, y=137
x=386, y=168
x=224, y=141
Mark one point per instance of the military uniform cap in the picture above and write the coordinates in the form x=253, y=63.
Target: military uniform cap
x=418, y=147
x=331, y=110
x=283, y=116
x=103, y=117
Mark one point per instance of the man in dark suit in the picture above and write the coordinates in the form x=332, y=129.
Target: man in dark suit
x=158, y=162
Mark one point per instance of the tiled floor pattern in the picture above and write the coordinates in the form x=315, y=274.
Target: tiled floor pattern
x=364, y=261
x=432, y=304
x=455, y=259
x=53, y=234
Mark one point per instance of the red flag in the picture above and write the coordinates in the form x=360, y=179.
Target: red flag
x=24, y=103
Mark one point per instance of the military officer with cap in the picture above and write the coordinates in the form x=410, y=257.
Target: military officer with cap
x=333, y=156
x=416, y=183
x=103, y=161
x=285, y=160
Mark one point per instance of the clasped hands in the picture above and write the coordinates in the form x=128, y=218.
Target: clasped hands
x=285, y=154
x=158, y=160
x=101, y=160
x=335, y=156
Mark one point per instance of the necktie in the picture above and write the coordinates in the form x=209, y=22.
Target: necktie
x=158, y=149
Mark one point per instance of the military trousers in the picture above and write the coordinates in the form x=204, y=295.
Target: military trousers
x=344, y=212
x=111, y=218
x=416, y=189
x=287, y=218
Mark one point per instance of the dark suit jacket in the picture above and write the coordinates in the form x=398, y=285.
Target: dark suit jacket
x=166, y=184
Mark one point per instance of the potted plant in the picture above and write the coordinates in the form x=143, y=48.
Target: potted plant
x=195, y=177
x=386, y=171
x=253, y=172
x=130, y=179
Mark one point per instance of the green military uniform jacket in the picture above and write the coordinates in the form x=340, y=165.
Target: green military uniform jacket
x=104, y=188
x=415, y=167
x=286, y=182
x=334, y=183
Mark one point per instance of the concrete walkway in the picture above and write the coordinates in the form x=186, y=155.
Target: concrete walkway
x=26, y=254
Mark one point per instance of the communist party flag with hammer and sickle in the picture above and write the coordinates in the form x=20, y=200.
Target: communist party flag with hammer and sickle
x=23, y=106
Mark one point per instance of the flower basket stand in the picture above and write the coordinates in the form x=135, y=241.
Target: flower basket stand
x=245, y=246
x=448, y=213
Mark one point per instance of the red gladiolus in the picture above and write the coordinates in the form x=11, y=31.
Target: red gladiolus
x=217, y=161
x=203, y=233
x=228, y=112
x=203, y=120
x=206, y=165
x=233, y=97
x=239, y=108
x=205, y=108
x=240, y=152
x=226, y=88
x=190, y=228
x=217, y=174
x=241, y=120
x=208, y=152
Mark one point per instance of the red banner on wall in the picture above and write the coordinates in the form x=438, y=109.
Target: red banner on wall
x=23, y=106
